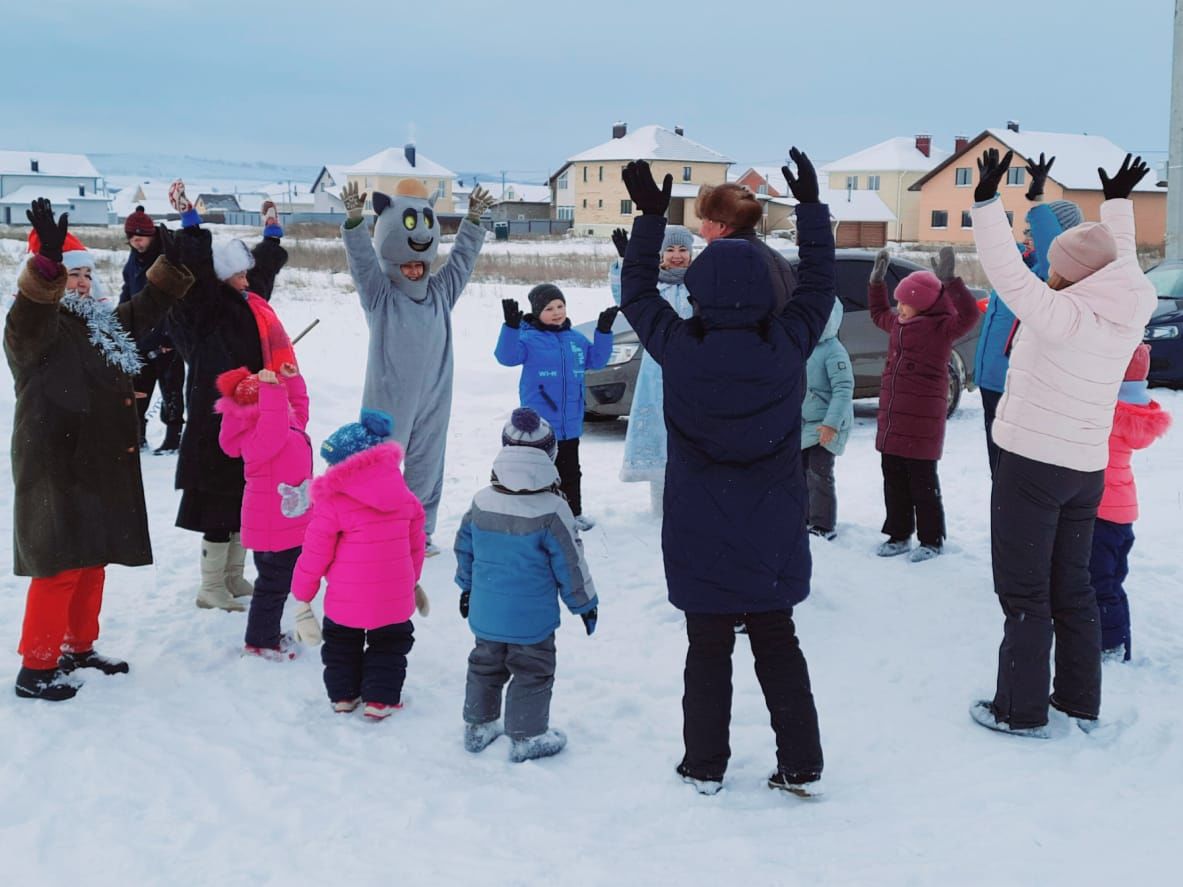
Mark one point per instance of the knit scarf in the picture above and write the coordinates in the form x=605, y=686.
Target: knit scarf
x=106, y=333
x=672, y=275
x=273, y=338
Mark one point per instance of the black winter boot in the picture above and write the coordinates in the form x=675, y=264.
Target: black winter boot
x=90, y=659
x=171, y=442
x=43, y=683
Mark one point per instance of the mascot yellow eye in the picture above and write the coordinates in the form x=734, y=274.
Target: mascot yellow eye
x=410, y=220
x=429, y=217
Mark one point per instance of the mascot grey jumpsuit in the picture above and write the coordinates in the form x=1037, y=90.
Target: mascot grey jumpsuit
x=409, y=366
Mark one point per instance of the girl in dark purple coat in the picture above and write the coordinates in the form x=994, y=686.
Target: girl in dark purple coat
x=934, y=311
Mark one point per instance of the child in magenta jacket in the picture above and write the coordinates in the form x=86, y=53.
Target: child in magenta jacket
x=934, y=310
x=263, y=420
x=366, y=539
x=1138, y=422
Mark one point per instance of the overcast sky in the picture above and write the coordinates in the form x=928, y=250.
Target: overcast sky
x=522, y=85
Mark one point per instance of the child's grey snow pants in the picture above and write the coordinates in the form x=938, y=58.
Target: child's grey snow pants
x=530, y=671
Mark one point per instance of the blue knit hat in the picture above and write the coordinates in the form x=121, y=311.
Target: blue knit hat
x=1067, y=213
x=677, y=235
x=374, y=428
x=526, y=428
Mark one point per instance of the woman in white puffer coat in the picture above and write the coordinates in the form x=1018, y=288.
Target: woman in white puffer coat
x=1068, y=353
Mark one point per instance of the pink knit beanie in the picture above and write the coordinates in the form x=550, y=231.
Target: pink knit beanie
x=1081, y=251
x=920, y=289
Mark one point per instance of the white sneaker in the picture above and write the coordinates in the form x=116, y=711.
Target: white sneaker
x=583, y=523
x=344, y=706
x=431, y=549
x=924, y=553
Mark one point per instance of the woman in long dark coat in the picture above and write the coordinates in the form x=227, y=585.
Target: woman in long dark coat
x=215, y=330
x=79, y=502
x=733, y=535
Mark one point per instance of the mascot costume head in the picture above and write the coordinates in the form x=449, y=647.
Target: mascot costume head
x=406, y=236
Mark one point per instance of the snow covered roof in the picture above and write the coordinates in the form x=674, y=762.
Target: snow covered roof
x=898, y=154
x=515, y=192
x=218, y=201
x=20, y=163
x=849, y=206
x=1077, y=156
x=651, y=143
x=393, y=162
x=57, y=195
x=337, y=173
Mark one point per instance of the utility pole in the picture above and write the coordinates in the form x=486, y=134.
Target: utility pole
x=1174, y=245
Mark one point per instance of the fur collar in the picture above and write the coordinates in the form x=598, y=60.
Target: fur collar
x=1140, y=425
x=339, y=477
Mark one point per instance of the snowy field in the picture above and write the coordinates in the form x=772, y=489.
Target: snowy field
x=202, y=767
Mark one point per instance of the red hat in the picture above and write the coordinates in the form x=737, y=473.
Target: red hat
x=139, y=224
x=920, y=289
x=74, y=254
x=240, y=385
x=1139, y=367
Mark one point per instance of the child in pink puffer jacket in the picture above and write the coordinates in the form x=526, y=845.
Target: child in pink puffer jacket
x=263, y=422
x=367, y=540
x=1138, y=421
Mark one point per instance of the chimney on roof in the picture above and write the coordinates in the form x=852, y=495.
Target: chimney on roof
x=409, y=152
x=33, y=165
x=678, y=131
x=1012, y=125
x=619, y=130
x=924, y=144
x=960, y=143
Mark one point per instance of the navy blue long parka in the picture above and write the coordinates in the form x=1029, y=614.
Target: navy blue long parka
x=733, y=536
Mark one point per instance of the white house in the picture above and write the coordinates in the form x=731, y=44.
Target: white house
x=69, y=181
x=326, y=188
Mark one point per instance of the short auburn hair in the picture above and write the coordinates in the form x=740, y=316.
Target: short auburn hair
x=730, y=204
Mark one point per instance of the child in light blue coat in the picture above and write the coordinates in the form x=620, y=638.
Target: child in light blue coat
x=826, y=417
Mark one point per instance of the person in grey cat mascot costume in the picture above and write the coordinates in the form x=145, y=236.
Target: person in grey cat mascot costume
x=409, y=312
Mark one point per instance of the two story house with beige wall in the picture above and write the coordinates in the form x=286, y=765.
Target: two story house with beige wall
x=947, y=193
x=889, y=169
x=384, y=170
x=588, y=189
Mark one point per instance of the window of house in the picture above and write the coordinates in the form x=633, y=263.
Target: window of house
x=872, y=183
x=585, y=173
x=562, y=183
x=585, y=203
x=687, y=172
x=762, y=189
x=940, y=218
x=964, y=176
x=565, y=212
x=1016, y=176
x=600, y=204
x=966, y=219
x=369, y=182
x=852, y=183
x=626, y=207
x=601, y=173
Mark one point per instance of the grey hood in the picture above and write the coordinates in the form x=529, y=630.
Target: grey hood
x=525, y=469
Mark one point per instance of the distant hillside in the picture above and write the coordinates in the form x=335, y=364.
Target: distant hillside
x=166, y=166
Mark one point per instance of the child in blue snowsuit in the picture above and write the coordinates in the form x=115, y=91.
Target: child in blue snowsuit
x=517, y=554
x=553, y=358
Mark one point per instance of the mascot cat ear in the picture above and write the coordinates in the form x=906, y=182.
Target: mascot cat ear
x=381, y=201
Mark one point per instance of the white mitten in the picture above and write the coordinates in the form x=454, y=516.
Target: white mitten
x=422, y=604
x=307, y=628
x=294, y=500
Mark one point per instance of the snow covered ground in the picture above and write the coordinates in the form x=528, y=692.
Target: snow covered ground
x=201, y=767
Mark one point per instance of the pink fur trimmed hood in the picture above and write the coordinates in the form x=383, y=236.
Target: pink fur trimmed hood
x=371, y=477
x=1140, y=425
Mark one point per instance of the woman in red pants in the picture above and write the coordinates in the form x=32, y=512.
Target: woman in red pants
x=79, y=502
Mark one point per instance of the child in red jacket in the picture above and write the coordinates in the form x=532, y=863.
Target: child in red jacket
x=934, y=311
x=1138, y=422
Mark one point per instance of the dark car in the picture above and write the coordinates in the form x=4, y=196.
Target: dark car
x=1164, y=332
x=610, y=390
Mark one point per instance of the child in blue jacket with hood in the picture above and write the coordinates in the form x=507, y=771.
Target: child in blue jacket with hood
x=1046, y=222
x=553, y=358
x=517, y=554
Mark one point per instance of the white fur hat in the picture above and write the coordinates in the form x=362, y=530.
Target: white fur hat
x=232, y=258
